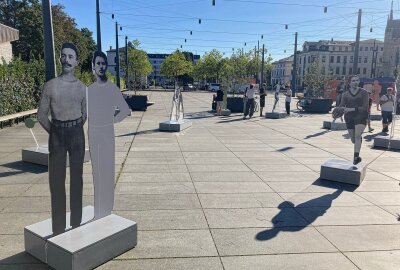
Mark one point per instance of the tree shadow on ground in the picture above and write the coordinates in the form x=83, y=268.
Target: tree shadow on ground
x=142, y=132
x=199, y=115
x=22, y=261
x=284, y=149
x=316, y=134
x=19, y=167
x=309, y=210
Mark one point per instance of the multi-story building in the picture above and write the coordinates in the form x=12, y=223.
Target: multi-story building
x=155, y=60
x=282, y=71
x=391, y=53
x=7, y=35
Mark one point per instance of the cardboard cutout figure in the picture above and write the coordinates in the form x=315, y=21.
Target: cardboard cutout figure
x=177, y=106
x=354, y=106
x=276, y=96
x=64, y=99
x=103, y=97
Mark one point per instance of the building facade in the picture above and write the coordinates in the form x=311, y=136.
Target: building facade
x=282, y=71
x=7, y=35
x=391, y=53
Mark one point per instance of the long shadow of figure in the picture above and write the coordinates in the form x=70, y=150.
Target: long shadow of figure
x=320, y=206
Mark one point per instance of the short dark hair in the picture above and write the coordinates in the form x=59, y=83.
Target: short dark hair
x=100, y=54
x=72, y=46
x=251, y=86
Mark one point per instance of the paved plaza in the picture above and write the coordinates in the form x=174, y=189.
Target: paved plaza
x=226, y=193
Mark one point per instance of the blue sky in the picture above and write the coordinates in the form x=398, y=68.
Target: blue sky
x=163, y=25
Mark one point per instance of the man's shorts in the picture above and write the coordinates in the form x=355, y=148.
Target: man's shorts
x=387, y=117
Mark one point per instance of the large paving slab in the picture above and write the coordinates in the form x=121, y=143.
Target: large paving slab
x=224, y=194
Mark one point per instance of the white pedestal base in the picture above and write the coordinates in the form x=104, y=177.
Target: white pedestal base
x=175, y=126
x=36, y=235
x=275, y=115
x=41, y=155
x=343, y=171
x=334, y=125
x=383, y=142
x=225, y=112
x=375, y=117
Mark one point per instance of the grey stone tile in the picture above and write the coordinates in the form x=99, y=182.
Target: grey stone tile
x=142, y=160
x=218, y=168
x=311, y=261
x=13, y=190
x=360, y=215
x=14, y=223
x=167, y=219
x=378, y=186
x=246, y=200
x=25, y=178
x=153, y=177
x=381, y=198
x=155, y=154
x=224, y=177
x=151, y=168
x=231, y=187
x=211, y=160
x=154, y=188
x=156, y=202
x=269, y=161
x=253, y=217
x=30, y=266
x=288, y=176
x=43, y=190
x=319, y=199
x=172, y=244
x=278, y=168
x=188, y=154
x=209, y=263
x=12, y=250
x=394, y=210
x=363, y=238
x=277, y=241
x=376, y=260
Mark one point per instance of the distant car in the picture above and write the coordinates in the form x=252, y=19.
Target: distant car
x=214, y=87
x=189, y=87
x=169, y=86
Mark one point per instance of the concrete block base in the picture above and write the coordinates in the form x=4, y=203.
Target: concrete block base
x=375, y=117
x=343, y=171
x=36, y=235
x=275, y=115
x=40, y=155
x=92, y=244
x=334, y=125
x=225, y=112
x=175, y=126
x=383, y=142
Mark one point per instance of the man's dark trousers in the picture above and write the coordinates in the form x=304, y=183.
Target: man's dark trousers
x=287, y=105
x=249, y=110
x=62, y=140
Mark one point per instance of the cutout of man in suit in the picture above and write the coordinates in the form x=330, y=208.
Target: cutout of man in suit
x=64, y=99
x=103, y=97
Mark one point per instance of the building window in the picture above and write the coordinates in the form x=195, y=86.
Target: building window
x=365, y=59
x=323, y=59
x=358, y=71
x=332, y=59
x=364, y=71
x=309, y=59
x=345, y=59
x=340, y=48
x=381, y=49
x=344, y=71
x=372, y=48
x=338, y=59
x=333, y=47
x=350, y=70
x=352, y=49
x=115, y=68
x=361, y=48
x=380, y=59
x=299, y=60
x=115, y=59
x=359, y=59
x=351, y=59
x=154, y=61
x=337, y=71
x=366, y=49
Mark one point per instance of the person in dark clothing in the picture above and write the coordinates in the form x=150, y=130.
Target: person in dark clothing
x=263, y=94
x=219, y=99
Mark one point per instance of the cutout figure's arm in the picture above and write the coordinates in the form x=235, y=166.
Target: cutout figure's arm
x=44, y=108
x=123, y=107
x=83, y=106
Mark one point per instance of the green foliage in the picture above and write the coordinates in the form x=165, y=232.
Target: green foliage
x=175, y=65
x=316, y=80
x=138, y=66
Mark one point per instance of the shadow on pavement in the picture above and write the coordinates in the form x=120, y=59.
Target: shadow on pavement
x=199, y=115
x=310, y=210
x=230, y=120
x=149, y=131
x=22, y=261
x=370, y=137
x=284, y=149
x=316, y=134
x=19, y=167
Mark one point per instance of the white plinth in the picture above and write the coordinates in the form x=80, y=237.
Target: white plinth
x=225, y=112
x=383, y=142
x=40, y=155
x=375, y=117
x=334, y=125
x=92, y=244
x=175, y=126
x=37, y=234
x=343, y=171
x=275, y=115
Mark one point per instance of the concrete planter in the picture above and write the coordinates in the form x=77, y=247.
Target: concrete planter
x=136, y=102
x=318, y=105
x=235, y=104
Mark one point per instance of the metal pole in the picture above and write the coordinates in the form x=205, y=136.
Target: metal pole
x=126, y=62
x=294, y=71
x=98, y=25
x=357, y=47
x=262, y=68
x=373, y=59
x=117, y=55
x=49, y=57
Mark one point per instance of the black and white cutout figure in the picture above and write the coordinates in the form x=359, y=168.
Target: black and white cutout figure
x=177, y=106
x=276, y=96
x=64, y=99
x=103, y=97
x=354, y=106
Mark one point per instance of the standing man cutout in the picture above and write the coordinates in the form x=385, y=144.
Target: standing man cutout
x=64, y=99
x=103, y=97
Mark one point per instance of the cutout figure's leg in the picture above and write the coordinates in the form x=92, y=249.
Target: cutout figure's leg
x=359, y=129
x=76, y=150
x=351, y=133
x=57, y=168
x=276, y=102
x=251, y=107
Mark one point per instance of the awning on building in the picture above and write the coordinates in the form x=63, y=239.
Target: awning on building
x=8, y=34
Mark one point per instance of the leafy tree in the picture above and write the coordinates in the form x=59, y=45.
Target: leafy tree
x=316, y=80
x=175, y=65
x=138, y=65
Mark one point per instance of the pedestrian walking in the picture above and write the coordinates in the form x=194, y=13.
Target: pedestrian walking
x=219, y=99
x=263, y=94
x=288, y=99
x=387, y=104
x=250, y=95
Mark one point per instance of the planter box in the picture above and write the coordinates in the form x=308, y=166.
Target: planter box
x=136, y=102
x=235, y=104
x=319, y=105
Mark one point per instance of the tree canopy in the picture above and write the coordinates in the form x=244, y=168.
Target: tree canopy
x=175, y=65
x=138, y=65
